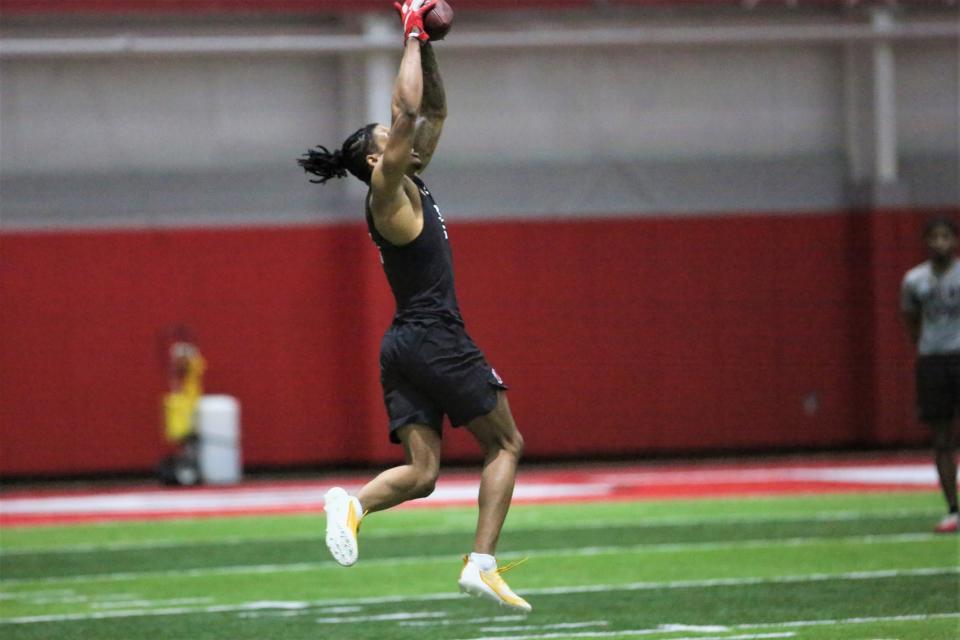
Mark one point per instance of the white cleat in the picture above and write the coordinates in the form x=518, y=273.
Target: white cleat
x=950, y=524
x=343, y=524
x=490, y=586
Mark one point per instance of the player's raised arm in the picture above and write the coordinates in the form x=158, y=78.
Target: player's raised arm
x=397, y=156
x=433, y=108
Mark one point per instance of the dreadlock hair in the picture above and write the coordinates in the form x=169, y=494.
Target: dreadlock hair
x=352, y=157
x=938, y=222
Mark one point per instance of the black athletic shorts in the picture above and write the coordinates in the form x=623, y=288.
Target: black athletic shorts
x=938, y=387
x=431, y=369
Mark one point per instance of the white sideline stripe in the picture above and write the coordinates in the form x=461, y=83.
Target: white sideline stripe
x=144, y=545
x=433, y=597
x=301, y=567
x=906, y=474
x=274, y=498
x=598, y=484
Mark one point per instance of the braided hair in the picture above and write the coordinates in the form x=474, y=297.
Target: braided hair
x=351, y=157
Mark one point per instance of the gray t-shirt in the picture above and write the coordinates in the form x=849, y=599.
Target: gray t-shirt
x=937, y=300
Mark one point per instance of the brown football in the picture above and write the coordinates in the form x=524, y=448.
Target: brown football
x=439, y=20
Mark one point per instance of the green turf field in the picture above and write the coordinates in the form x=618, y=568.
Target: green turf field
x=859, y=567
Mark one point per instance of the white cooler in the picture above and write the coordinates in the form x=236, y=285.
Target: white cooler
x=218, y=429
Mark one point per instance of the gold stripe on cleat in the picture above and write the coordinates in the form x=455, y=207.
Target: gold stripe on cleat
x=353, y=522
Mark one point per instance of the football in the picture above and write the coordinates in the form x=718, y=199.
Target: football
x=439, y=20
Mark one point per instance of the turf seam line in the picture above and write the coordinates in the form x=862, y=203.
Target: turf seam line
x=635, y=586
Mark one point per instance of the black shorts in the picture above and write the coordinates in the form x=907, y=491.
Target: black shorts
x=431, y=369
x=938, y=387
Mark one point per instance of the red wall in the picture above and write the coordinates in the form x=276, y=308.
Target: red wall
x=617, y=336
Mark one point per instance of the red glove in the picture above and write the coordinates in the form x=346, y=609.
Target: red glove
x=411, y=14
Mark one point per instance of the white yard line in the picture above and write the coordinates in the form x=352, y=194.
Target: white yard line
x=300, y=567
x=446, y=623
x=433, y=597
x=50, y=593
x=866, y=620
x=635, y=632
x=544, y=627
x=672, y=628
x=145, y=545
x=117, y=604
x=384, y=617
x=735, y=582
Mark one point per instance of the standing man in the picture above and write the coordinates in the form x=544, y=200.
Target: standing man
x=429, y=366
x=930, y=305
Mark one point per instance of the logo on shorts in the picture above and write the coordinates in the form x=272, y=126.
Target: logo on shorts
x=496, y=376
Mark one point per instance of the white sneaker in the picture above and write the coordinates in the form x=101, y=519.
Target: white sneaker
x=489, y=585
x=950, y=524
x=343, y=524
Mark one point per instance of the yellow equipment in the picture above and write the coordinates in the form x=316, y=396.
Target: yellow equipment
x=187, y=381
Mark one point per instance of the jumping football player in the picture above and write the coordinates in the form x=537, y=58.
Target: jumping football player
x=429, y=365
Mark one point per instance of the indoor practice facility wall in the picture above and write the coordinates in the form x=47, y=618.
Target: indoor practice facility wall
x=619, y=337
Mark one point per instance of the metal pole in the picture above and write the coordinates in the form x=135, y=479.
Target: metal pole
x=884, y=100
x=381, y=67
x=853, y=111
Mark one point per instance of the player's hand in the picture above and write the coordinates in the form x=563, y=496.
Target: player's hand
x=411, y=15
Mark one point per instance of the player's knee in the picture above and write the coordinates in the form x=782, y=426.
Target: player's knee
x=423, y=488
x=425, y=483
x=513, y=444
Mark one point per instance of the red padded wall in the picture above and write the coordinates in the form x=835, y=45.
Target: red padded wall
x=619, y=336
x=279, y=314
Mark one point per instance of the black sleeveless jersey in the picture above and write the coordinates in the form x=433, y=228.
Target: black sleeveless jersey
x=420, y=273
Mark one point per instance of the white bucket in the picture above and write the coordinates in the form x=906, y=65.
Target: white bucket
x=218, y=428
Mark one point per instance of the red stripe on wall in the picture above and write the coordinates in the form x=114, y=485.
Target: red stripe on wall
x=617, y=336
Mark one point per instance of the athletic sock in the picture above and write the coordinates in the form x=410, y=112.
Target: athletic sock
x=483, y=561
